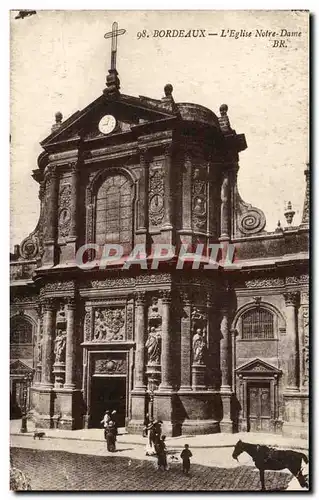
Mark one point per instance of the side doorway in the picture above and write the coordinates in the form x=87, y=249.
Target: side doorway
x=257, y=390
x=258, y=407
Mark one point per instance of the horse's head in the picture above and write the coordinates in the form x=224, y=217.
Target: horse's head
x=239, y=448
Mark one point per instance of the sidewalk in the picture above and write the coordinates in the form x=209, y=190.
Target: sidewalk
x=209, y=441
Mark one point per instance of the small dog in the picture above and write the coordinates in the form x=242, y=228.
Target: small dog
x=38, y=434
x=173, y=459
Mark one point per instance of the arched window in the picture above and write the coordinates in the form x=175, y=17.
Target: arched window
x=114, y=212
x=257, y=324
x=20, y=331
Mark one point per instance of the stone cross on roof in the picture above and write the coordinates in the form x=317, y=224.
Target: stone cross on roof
x=114, y=34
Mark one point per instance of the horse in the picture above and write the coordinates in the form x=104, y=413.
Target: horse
x=266, y=458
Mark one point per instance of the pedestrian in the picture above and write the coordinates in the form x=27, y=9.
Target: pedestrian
x=150, y=448
x=105, y=421
x=115, y=420
x=111, y=436
x=145, y=425
x=160, y=448
x=185, y=456
x=157, y=431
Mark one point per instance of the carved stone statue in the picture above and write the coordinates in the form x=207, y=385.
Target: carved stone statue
x=59, y=348
x=199, y=347
x=99, y=326
x=153, y=346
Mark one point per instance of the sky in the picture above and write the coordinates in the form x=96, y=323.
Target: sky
x=59, y=62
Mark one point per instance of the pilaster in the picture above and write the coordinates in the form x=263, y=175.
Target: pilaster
x=50, y=240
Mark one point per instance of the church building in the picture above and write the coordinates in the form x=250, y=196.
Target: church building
x=205, y=349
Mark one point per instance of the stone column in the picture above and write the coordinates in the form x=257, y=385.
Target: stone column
x=225, y=209
x=52, y=208
x=225, y=349
x=139, y=382
x=143, y=191
x=166, y=358
x=186, y=341
x=292, y=372
x=70, y=341
x=226, y=424
x=47, y=346
x=168, y=189
x=187, y=197
x=38, y=360
x=51, y=212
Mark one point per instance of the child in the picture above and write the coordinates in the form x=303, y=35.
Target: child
x=185, y=456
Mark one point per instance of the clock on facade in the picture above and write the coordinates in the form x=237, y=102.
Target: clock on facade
x=107, y=124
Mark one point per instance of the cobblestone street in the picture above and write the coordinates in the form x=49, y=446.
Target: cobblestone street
x=61, y=470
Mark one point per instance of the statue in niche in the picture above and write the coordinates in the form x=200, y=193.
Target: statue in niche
x=153, y=346
x=59, y=348
x=199, y=347
x=199, y=206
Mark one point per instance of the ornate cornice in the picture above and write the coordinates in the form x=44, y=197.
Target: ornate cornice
x=265, y=283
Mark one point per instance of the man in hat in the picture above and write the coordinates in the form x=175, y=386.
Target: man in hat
x=105, y=421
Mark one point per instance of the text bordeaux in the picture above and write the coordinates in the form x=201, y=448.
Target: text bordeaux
x=179, y=33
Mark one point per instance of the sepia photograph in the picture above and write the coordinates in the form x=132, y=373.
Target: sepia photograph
x=159, y=250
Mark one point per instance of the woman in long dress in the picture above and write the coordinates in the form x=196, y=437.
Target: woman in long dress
x=151, y=438
x=111, y=436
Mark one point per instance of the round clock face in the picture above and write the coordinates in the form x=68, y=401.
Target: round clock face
x=107, y=124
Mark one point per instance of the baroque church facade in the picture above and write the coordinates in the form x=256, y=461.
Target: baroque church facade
x=205, y=350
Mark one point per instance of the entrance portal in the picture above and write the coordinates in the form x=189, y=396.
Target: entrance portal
x=108, y=393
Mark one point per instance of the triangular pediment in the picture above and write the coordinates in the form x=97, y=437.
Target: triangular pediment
x=18, y=367
x=257, y=366
x=128, y=112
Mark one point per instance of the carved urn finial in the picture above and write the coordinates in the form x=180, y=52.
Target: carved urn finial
x=224, y=122
x=168, y=90
x=223, y=109
x=58, y=121
x=279, y=227
x=289, y=213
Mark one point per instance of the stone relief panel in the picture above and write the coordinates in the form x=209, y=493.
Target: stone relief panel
x=88, y=323
x=110, y=365
x=109, y=324
x=199, y=200
x=64, y=213
x=156, y=193
x=130, y=320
